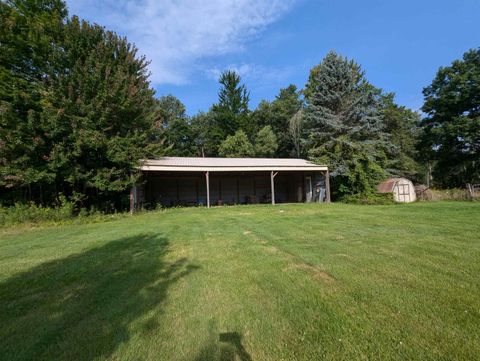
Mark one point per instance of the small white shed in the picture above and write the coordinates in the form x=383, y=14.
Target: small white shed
x=402, y=189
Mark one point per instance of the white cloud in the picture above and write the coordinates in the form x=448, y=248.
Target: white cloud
x=252, y=73
x=176, y=34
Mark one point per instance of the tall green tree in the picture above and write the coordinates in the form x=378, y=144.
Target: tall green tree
x=179, y=133
x=402, y=124
x=77, y=110
x=170, y=108
x=233, y=97
x=100, y=116
x=265, y=143
x=180, y=138
x=277, y=115
x=207, y=134
x=30, y=34
x=451, y=129
x=236, y=146
x=231, y=111
x=343, y=126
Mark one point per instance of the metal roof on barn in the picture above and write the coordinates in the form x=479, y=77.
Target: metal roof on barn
x=229, y=164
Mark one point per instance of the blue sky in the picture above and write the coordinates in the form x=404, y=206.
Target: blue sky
x=274, y=43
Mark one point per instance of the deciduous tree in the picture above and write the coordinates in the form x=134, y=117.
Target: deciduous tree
x=236, y=146
x=78, y=113
x=451, y=129
x=266, y=143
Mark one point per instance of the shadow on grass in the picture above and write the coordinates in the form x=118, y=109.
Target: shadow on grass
x=234, y=340
x=84, y=306
x=227, y=347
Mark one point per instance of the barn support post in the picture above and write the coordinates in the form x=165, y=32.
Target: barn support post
x=133, y=199
x=327, y=186
x=272, y=185
x=207, y=181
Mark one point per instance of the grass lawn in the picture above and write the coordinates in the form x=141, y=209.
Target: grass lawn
x=290, y=282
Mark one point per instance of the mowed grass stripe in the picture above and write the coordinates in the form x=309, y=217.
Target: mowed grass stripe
x=290, y=282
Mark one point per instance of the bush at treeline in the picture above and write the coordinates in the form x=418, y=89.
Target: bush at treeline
x=78, y=114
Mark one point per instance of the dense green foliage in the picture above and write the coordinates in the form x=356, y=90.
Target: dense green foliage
x=78, y=113
x=231, y=112
x=27, y=31
x=369, y=198
x=346, y=122
x=402, y=125
x=343, y=126
x=266, y=143
x=277, y=115
x=179, y=134
x=236, y=145
x=377, y=283
x=451, y=130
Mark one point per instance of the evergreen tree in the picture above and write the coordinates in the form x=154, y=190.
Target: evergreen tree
x=236, y=146
x=343, y=126
x=233, y=97
x=231, y=111
x=266, y=143
x=451, y=130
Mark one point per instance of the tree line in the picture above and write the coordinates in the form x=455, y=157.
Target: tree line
x=78, y=114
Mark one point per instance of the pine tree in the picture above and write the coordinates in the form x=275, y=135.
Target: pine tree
x=343, y=127
x=231, y=111
x=232, y=97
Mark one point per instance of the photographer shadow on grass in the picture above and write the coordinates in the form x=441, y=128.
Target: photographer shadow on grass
x=222, y=346
x=80, y=307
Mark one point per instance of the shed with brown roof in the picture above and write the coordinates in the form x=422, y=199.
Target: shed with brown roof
x=402, y=189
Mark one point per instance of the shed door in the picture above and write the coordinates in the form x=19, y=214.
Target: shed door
x=403, y=192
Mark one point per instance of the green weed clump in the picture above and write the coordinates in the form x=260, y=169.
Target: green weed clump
x=65, y=212
x=32, y=213
x=370, y=199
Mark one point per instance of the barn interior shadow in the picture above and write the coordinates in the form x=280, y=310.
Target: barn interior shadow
x=82, y=307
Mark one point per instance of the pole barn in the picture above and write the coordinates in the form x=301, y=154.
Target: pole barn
x=186, y=181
